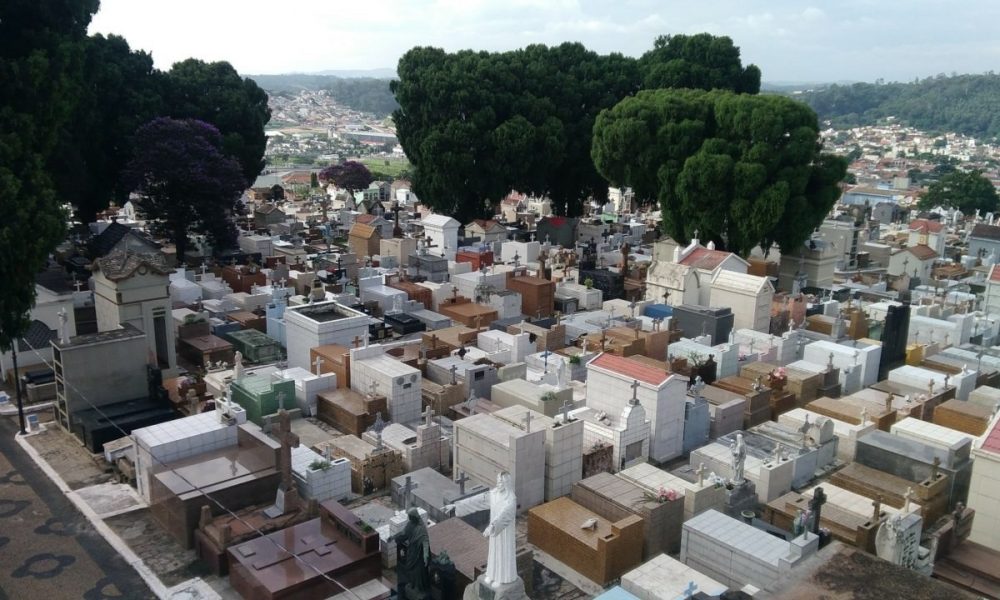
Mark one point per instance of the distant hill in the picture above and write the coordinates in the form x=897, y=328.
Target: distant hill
x=367, y=94
x=968, y=104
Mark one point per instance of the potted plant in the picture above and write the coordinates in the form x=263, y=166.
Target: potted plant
x=588, y=283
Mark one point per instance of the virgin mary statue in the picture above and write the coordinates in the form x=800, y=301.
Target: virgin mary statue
x=501, y=567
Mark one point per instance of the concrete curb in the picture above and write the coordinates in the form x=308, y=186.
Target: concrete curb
x=11, y=409
x=113, y=538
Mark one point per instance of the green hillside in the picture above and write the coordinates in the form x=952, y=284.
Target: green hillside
x=968, y=104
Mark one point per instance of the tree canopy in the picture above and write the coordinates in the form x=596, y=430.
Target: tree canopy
x=966, y=191
x=739, y=169
x=41, y=52
x=701, y=61
x=215, y=93
x=477, y=124
x=349, y=175
x=121, y=92
x=184, y=181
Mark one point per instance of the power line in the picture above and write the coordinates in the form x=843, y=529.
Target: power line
x=204, y=493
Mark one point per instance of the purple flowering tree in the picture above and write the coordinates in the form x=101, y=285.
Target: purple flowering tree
x=184, y=183
x=351, y=176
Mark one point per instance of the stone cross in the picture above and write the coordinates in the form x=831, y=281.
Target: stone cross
x=877, y=504
x=566, y=407
x=777, y=454
x=815, y=506
x=864, y=415
x=690, y=590
x=288, y=441
x=907, y=497
x=527, y=421
x=408, y=493
x=77, y=284
x=700, y=471
x=635, y=391
x=317, y=364
x=462, y=478
x=428, y=416
x=373, y=386
x=454, y=370
x=281, y=400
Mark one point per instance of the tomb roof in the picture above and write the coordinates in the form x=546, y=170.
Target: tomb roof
x=630, y=369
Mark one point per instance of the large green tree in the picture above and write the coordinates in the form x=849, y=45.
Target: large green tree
x=184, y=181
x=476, y=124
x=966, y=191
x=701, y=61
x=41, y=52
x=741, y=170
x=236, y=106
x=121, y=91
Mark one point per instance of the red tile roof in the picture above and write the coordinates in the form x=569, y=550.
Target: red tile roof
x=926, y=226
x=631, y=369
x=992, y=441
x=703, y=258
x=922, y=252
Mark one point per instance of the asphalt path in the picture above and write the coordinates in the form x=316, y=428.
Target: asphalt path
x=48, y=549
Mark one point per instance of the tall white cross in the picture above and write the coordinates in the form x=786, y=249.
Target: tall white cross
x=428, y=415
x=700, y=471
x=317, y=364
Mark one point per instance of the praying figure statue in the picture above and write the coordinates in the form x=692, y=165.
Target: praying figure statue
x=501, y=566
x=739, y=452
x=412, y=570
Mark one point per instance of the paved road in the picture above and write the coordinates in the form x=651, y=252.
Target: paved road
x=48, y=549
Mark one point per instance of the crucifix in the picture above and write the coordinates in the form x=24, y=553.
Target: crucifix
x=454, y=293
x=907, y=497
x=527, y=421
x=77, y=284
x=635, y=392
x=317, y=365
x=428, y=416
x=815, y=506
x=877, y=504
x=700, y=472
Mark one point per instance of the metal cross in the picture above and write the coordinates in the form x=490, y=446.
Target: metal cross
x=462, y=478
x=635, y=391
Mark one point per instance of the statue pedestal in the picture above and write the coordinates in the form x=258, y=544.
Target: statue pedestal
x=477, y=590
x=741, y=497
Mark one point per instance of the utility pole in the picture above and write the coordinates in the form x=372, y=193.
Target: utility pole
x=17, y=387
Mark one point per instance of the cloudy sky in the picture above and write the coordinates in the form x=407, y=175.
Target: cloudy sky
x=790, y=40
